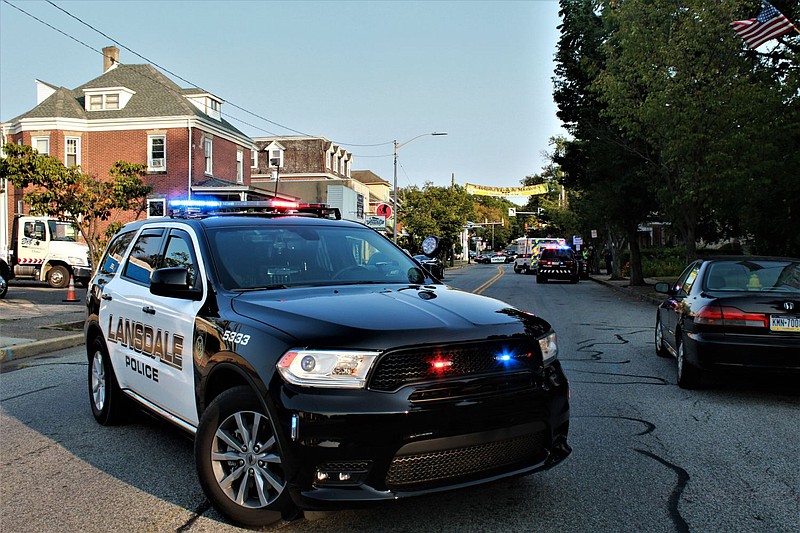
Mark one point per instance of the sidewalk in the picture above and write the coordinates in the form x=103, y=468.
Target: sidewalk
x=645, y=293
x=28, y=328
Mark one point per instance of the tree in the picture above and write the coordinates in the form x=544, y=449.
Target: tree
x=676, y=80
x=67, y=193
x=431, y=210
x=609, y=172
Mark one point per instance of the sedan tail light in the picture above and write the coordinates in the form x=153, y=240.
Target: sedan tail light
x=714, y=315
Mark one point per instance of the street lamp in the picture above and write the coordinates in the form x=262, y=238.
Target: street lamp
x=394, y=199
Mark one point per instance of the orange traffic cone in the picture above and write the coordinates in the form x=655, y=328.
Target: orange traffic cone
x=71, y=292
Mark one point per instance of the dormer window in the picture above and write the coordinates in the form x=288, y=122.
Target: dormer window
x=208, y=104
x=108, y=99
x=275, y=153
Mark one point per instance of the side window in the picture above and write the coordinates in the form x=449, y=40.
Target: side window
x=144, y=256
x=685, y=282
x=113, y=257
x=180, y=253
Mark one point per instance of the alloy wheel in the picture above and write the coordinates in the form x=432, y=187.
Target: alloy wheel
x=246, y=460
x=98, y=381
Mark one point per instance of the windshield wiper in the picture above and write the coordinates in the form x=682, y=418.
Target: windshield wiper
x=265, y=288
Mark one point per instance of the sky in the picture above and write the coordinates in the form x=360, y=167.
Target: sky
x=362, y=74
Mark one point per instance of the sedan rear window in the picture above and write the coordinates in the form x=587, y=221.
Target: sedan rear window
x=754, y=275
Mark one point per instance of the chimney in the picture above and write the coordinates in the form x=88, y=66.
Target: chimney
x=110, y=57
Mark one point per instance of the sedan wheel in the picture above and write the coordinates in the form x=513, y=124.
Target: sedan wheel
x=689, y=376
x=661, y=350
x=239, y=459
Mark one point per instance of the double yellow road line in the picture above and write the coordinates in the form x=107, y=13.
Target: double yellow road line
x=489, y=283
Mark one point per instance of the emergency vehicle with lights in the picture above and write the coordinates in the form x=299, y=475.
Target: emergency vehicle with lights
x=315, y=363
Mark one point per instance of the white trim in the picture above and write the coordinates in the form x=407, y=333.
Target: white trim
x=124, y=124
x=124, y=95
x=239, y=165
x=42, y=137
x=208, y=156
x=253, y=157
x=162, y=201
x=151, y=162
x=67, y=139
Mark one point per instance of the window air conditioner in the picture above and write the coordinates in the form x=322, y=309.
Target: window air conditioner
x=157, y=163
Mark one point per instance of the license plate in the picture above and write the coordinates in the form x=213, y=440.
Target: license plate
x=784, y=323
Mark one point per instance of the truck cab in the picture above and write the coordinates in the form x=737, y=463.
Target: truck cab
x=47, y=249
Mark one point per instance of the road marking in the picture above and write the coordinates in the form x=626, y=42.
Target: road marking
x=489, y=283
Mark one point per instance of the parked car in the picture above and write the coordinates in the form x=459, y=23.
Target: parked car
x=557, y=262
x=314, y=362
x=731, y=313
x=434, y=265
x=483, y=258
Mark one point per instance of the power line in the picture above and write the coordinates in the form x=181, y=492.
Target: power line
x=164, y=69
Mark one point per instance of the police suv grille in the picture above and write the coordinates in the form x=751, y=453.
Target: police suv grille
x=433, y=469
x=401, y=367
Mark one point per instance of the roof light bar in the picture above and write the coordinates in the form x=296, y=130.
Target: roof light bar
x=210, y=207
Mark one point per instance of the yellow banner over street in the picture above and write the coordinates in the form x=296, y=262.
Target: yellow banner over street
x=481, y=190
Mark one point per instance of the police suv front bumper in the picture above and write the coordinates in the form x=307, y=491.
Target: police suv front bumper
x=368, y=446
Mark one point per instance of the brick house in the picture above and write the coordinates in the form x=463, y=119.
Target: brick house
x=136, y=114
x=313, y=169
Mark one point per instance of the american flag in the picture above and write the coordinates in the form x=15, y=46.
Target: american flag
x=769, y=24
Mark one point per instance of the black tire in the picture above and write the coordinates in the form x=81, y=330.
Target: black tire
x=58, y=277
x=257, y=458
x=105, y=396
x=661, y=350
x=540, y=279
x=517, y=270
x=573, y=279
x=689, y=376
x=3, y=285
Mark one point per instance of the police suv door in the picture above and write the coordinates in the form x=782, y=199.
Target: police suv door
x=123, y=319
x=174, y=320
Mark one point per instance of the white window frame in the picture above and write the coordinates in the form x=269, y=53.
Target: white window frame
x=151, y=167
x=107, y=105
x=239, y=165
x=209, y=155
x=35, y=141
x=279, y=158
x=328, y=160
x=77, y=141
x=162, y=201
x=253, y=158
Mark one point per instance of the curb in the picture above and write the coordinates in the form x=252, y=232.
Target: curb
x=29, y=349
x=629, y=293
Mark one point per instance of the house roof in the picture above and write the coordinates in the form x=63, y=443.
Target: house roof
x=155, y=95
x=367, y=177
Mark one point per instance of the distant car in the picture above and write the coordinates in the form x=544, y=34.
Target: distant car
x=557, y=262
x=434, y=265
x=731, y=313
x=483, y=258
x=498, y=257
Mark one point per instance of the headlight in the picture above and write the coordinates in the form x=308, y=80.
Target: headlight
x=77, y=261
x=548, y=346
x=327, y=368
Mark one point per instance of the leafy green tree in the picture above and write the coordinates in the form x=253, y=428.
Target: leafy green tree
x=67, y=193
x=431, y=210
x=675, y=79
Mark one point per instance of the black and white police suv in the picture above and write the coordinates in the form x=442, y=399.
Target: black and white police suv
x=316, y=364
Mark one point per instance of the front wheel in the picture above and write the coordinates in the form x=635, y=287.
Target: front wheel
x=240, y=461
x=58, y=277
x=3, y=285
x=540, y=279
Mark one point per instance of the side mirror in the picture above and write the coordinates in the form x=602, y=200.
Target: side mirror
x=173, y=282
x=430, y=246
x=662, y=287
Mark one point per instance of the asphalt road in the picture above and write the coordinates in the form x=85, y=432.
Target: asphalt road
x=647, y=456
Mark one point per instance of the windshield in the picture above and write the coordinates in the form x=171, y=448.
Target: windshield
x=62, y=231
x=752, y=275
x=258, y=257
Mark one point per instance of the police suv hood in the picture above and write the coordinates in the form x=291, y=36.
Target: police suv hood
x=379, y=316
